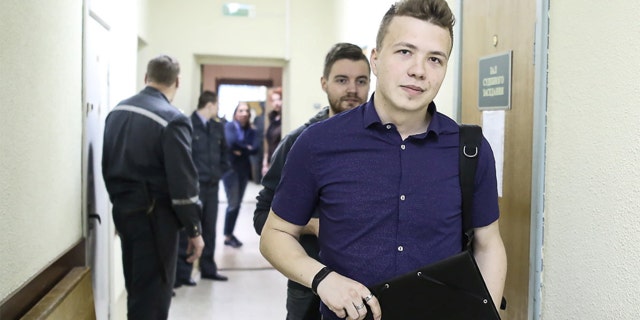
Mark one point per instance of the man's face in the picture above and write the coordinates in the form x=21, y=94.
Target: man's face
x=411, y=64
x=213, y=108
x=347, y=85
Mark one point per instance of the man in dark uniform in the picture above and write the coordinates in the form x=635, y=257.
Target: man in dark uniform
x=211, y=156
x=153, y=185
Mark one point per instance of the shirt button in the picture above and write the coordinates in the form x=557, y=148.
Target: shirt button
x=400, y=248
x=389, y=126
x=403, y=147
x=402, y=197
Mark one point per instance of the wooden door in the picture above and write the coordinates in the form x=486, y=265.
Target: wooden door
x=491, y=27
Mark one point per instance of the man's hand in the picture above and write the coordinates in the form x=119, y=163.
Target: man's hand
x=194, y=249
x=347, y=298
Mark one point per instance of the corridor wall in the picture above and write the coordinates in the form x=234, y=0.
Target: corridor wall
x=40, y=135
x=592, y=194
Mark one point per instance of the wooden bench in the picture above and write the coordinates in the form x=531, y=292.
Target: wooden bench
x=71, y=298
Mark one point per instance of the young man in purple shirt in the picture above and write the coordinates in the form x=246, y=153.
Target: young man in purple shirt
x=388, y=194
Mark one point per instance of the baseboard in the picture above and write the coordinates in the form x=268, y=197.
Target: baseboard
x=24, y=298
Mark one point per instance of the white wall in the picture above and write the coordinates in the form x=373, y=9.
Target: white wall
x=592, y=191
x=41, y=128
x=199, y=28
x=312, y=33
x=40, y=135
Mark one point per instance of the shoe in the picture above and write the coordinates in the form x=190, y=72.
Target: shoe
x=233, y=242
x=189, y=283
x=215, y=277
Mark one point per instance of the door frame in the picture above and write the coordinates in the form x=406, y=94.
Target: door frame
x=541, y=47
x=97, y=223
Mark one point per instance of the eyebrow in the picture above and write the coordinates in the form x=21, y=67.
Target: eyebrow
x=345, y=76
x=413, y=47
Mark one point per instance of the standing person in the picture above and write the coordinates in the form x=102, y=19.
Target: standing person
x=210, y=155
x=256, y=159
x=391, y=201
x=346, y=81
x=153, y=185
x=242, y=142
x=273, y=134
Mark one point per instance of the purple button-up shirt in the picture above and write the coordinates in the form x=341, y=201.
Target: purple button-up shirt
x=387, y=206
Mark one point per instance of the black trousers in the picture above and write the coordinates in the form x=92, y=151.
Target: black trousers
x=209, y=199
x=302, y=304
x=149, y=251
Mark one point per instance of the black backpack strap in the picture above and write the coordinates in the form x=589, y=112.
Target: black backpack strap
x=470, y=141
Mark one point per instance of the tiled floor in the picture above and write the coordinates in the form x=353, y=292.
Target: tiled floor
x=254, y=290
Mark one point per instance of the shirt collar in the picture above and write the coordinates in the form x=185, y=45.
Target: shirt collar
x=155, y=92
x=371, y=117
x=203, y=119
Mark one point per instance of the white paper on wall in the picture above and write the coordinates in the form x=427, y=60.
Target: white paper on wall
x=493, y=130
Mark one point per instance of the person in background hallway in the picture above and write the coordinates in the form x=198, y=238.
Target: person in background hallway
x=256, y=159
x=242, y=142
x=153, y=185
x=390, y=202
x=274, y=131
x=210, y=155
x=346, y=81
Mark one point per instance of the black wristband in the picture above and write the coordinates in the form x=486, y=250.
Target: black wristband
x=323, y=273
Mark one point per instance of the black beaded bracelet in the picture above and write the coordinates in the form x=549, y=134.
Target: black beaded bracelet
x=323, y=273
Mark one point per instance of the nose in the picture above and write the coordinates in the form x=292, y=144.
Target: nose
x=417, y=69
x=351, y=86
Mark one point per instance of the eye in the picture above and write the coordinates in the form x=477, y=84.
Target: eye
x=436, y=60
x=341, y=80
x=363, y=82
x=404, y=52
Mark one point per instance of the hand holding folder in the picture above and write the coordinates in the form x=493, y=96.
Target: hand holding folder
x=451, y=289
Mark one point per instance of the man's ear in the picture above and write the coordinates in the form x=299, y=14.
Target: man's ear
x=323, y=83
x=177, y=82
x=373, y=60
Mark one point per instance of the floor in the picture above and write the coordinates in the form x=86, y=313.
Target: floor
x=254, y=290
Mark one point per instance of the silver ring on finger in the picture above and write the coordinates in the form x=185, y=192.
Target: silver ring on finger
x=367, y=298
x=360, y=307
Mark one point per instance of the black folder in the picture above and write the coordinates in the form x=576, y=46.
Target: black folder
x=451, y=289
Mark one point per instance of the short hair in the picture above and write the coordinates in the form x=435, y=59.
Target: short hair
x=206, y=97
x=163, y=69
x=432, y=11
x=341, y=51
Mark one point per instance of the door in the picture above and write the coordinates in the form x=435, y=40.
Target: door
x=96, y=93
x=493, y=27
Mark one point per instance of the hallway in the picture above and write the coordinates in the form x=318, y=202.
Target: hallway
x=254, y=290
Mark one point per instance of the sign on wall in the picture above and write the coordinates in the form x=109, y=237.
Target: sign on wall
x=494, y=89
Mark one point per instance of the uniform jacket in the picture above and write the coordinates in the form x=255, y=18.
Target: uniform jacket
x=209, y=152
x=146, y=158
